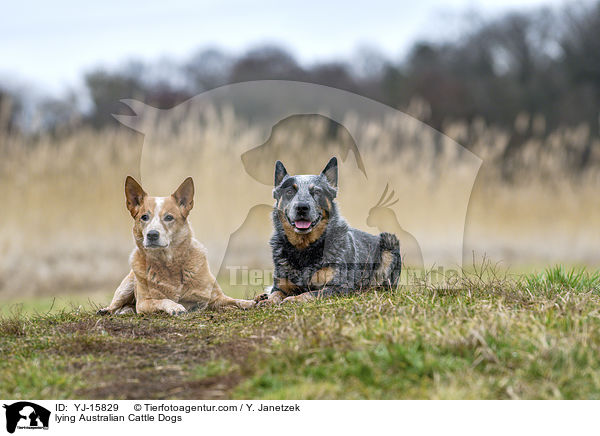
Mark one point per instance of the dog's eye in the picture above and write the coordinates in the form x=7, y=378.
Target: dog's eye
x=168, y=218
x=145, y=217
x=290, y=193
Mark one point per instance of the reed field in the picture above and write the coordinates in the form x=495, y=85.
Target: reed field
x=65, y=228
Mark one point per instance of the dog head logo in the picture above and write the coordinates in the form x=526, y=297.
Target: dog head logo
x=26, y=415
x=229, y=139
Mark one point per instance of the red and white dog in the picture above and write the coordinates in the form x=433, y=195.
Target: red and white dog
x=169, y=268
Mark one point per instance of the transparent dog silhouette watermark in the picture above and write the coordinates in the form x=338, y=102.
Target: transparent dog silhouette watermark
x=396, y=173
x=244, y=276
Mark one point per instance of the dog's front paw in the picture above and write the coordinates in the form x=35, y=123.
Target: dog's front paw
x=264, y=303
x=261, y=297
x=103, y=311
x=246, y=304
x=288, y=300
x=298, y=298
x=175, y=309
x=125, y=310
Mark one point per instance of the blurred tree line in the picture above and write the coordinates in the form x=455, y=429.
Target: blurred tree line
x=540, y=62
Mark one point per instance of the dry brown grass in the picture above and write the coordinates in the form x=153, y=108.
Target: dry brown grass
x=65, y=227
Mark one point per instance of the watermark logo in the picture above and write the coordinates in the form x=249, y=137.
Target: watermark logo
x=396, y=174
x=25, y=415
x=436, y=277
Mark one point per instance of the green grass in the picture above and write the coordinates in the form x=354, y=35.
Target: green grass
x=577, y=279
x=45, y=305
x=491, y=337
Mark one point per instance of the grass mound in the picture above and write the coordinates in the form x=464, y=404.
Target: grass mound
x=532, y=336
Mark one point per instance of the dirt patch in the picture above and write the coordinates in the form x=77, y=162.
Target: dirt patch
x=132, y=384
x=138, y=367
x=122, y=328
x=81, y=344
x=197, y=356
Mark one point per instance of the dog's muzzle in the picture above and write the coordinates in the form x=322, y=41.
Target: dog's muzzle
x=153, y=240
x=302, y=225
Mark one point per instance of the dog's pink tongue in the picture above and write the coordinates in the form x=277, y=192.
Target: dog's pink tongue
x=302, y=224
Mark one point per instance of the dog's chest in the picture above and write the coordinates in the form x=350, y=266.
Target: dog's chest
x=299, y=266
x=171, y=282
x=296, y=259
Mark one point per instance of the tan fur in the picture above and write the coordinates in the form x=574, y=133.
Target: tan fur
x=383, y=270
x=286, y=295
x=285, y=289
x=286, y=286
x=323, y=276
x=307, y=296
x=301, y=241
x=273, y=298
x=175, y=278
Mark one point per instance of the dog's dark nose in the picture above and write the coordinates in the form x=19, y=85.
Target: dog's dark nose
x=153, y=235
x=302, y=208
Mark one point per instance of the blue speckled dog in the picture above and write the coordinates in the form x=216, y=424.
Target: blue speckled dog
x=315, y=252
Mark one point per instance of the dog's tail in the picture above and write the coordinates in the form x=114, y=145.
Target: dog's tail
x=389, y=242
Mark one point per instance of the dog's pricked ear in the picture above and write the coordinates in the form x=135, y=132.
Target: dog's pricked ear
x=134, y=194
x=184, y=196
x=280, y=173
x=331, y=172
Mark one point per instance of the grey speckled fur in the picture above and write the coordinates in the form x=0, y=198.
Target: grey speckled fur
x=355, y=260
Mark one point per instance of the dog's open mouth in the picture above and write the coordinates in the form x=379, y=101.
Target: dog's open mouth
x=304, y=226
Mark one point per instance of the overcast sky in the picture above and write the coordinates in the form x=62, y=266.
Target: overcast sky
x=50, y=44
